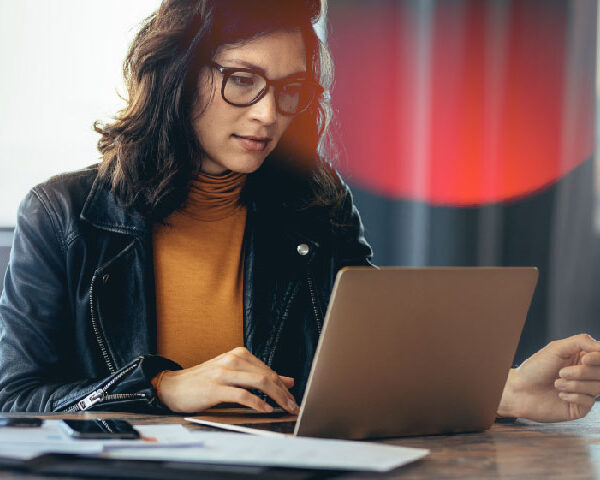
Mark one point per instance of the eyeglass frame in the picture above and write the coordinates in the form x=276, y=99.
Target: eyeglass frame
x=228, y=71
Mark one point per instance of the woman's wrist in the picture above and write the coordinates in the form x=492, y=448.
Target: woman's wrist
x=161, y=387
x=156, y=382
x=508, y=403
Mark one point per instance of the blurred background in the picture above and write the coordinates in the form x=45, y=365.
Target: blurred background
x=467, y=128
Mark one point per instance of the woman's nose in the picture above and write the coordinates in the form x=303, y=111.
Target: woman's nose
x=265, y=110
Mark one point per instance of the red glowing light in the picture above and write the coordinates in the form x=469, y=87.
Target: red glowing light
x=470, y=103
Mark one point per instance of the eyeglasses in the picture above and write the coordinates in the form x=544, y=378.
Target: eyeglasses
x=242, y=87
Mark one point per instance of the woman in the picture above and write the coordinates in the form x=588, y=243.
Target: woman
x=193, y=265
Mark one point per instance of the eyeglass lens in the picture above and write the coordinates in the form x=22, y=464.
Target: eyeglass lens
x=242, y=88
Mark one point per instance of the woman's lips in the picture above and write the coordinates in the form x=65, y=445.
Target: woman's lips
x=253, y=144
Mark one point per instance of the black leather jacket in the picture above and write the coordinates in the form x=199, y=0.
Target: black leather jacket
x=77, y=313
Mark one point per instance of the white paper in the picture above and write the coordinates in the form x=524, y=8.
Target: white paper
x=175, y=442
x=21, y=451
x=26, y=443
x=282, y=451
x=49, y=431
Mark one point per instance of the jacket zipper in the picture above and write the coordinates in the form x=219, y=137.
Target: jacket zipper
x=315, y=306
x=280, y=328
x=100, y=395
x=96, y=329
x=313, y=299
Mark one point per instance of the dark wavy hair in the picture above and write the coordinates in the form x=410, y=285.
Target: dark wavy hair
x=150, y=152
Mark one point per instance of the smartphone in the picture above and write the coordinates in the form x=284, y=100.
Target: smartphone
x=100, y=428
x=22, y=422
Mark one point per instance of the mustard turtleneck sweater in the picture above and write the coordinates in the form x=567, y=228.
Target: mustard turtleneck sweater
x=199, y=272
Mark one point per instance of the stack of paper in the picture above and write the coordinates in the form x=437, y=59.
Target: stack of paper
x=283, y=451
x=176, y=443
x=27, y=443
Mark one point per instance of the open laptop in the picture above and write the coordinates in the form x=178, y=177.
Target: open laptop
x=414, y=351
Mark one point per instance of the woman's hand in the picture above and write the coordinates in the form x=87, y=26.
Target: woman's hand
x=226, y=378
x=560, y=382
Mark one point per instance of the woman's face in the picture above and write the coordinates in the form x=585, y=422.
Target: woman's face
x=240, y=138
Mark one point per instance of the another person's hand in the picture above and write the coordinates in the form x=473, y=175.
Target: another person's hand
x=226, y=378
x=560, y=382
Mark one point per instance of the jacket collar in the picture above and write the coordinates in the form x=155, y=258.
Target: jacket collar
x=104, y=210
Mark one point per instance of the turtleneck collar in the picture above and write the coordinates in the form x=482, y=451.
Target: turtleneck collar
x=214, y=197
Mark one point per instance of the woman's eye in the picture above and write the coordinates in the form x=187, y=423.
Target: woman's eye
x=293, y=88
x=243, y=80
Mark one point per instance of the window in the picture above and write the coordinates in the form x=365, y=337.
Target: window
x=61, y=70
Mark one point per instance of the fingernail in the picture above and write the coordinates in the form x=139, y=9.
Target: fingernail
x=562, y=395
x=268, y=408
x=292, y=406
x=561, y=383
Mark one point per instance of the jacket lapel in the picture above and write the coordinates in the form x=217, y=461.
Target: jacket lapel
x=122, y=298
x=103, y=210
x=276, y=258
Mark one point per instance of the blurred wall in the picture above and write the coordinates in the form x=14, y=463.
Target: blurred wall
x=467, y=129
x=61, y=71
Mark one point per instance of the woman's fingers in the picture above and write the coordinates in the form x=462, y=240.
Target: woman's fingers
x=239, y=368
x=591, y=358
x=587, y=387
x=268, y=384
x=582, y=400
x=580, y=372
x=219, y=380
x=240, y=359
x=287, y=381
x=574, y=345
x=244, y=397
x=245, y=354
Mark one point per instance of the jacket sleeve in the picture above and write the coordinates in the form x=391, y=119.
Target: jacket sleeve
x=34, y=321
x=352, y=248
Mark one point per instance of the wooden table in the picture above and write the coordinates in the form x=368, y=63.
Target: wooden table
x=569, y=450
x=524, y=450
